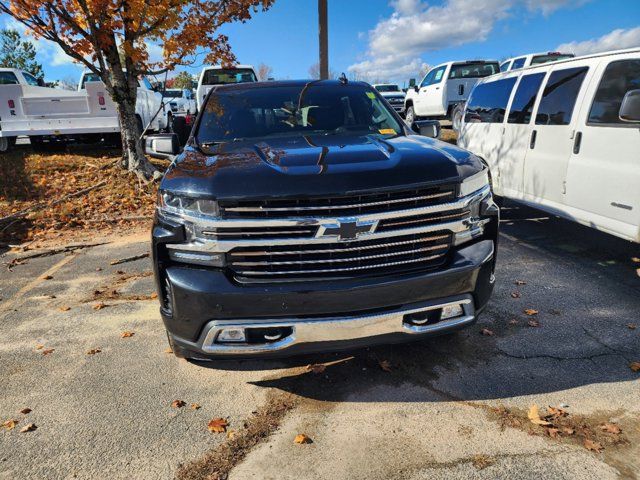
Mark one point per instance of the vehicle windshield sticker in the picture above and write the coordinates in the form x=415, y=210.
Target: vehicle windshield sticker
x=387, y=131
x=371, y=95
x=439, y=75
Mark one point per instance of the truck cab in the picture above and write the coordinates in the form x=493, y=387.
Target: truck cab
x=219, y=75
x=445, y=88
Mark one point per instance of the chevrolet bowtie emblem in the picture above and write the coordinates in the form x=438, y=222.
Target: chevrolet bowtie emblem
x=347, y=229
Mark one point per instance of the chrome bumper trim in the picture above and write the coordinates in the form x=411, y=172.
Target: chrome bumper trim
x=332, y=329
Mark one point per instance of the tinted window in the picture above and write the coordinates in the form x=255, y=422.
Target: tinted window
x=8, y=78
x=427, y=80
x=518, y=63
x=223, y=76
x=233, y=115
x=89, y=77
x=559, y=97
x=505, y=66
x=488, y=101
x=387, y=88
x=618, y=78
x=540, y=59
x=525, y=98
x=31, y=80
x=473, y=70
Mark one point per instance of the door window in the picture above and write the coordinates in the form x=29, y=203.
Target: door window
x=427, y=79
x=489, y=101
x=618, y=78
x=525, y=98
x=518, y=63
x=559, y=97
x=437, y=76
x=505, y=66
x=31, y=80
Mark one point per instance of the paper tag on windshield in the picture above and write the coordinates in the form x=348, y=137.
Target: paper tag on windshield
x=387, y=131
x=371, y=95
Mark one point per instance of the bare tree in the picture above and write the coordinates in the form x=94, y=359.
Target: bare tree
x=264, y=72
x=314, y=72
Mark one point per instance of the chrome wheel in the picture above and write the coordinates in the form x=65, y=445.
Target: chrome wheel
x=4, y=144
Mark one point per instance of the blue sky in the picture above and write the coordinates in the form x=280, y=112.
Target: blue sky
x=393, y=39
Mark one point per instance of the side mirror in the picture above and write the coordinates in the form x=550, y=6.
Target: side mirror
x=162, y=145
x=630, y=108
x=427, y=128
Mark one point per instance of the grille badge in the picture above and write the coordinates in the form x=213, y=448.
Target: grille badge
x=346, y=229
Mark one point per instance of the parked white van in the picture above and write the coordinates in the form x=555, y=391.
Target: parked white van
x=564, y=137
x=533, y=59
x=219, y=75
x=444, y=89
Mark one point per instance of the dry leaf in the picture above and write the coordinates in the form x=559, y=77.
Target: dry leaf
x=531, y=311
x=316, y=368
x=611, y=428
x=217, y=425
x=534, y=416
x=39, y=346
x=481, y=461
x=557, y=412
x=30, y=427
x=553, y=432
x=153, y=295
x=48, y=351
x=98, y=269
x=520, y=282
x=64, y=308
x=635, y=366
x=24, y=411
x=120, y=272
x=568, y=431
x=385, y=365
x=231, y=434
x=635, y=259
x=513, y=321
x=168, y=350
x=195, y=406
x=93, y=351
x=99, y=306
x=47, y=277
x=302, y=438
x=515, y=295
x=178, y=404
x=631, y=326
x=593, y=446
x=10, y=424
x=127, y=334
x=487, y=332
x=533, y=323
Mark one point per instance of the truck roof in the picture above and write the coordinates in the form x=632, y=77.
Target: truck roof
x=282, y=83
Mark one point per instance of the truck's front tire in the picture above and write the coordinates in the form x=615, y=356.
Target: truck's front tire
x=4, y=144
x=410, y=116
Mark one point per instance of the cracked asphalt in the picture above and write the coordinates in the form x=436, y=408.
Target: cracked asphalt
x=437, y=414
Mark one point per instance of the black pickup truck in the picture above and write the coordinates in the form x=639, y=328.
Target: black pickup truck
x=306, y=216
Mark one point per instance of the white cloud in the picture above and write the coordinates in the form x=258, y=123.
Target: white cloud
x=614, y=40
x=415, y=27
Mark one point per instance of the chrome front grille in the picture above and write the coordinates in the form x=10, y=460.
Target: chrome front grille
x=341, y=206
x=390, y=255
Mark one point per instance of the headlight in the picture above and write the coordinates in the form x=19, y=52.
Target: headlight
x=474, y=183
x=187, y=206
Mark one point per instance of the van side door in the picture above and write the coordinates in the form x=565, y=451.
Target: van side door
x=603, y=179
x=551, y=139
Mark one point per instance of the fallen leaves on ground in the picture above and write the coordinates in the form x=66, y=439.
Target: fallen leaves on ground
x=301, y=438
x=48, y=351
x=93, y=351
x=316, y=368
x=531, y=312
x=487, y=332
x=195, y=406
x=481, y=461
x=611, y=428
x=29, y=427
x=534, y=416
x=153, y=296
x=168, y=350
x=635, y=259
x=231, y=434
x=64, y=308
x=46, y=277
x=385, y=365
x=100, y=306
x=10, y=424
x=127, y=334
x=24, y=411
x=516, y=295
x=631, y=326
x=592, y=446
x=513, y=321
x=39, y=346
x=217, y=425
x=520, y=282
x=635, y=366
x=533, y=323
x=178, y=404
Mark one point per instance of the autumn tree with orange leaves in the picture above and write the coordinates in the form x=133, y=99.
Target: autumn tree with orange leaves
x=95, y=33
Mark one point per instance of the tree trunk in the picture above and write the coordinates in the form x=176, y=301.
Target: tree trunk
x=133, y=157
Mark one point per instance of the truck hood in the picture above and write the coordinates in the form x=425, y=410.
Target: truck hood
x=312, y=166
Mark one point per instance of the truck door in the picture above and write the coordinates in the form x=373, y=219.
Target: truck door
x=432, y=95
x=551, y=138
x=603, y=179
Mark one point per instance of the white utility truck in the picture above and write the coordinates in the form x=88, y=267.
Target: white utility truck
x=47, y=115
x=219, y=75
x=445, y=88
x=564, y=137
x=181, y=102
x=533, y=59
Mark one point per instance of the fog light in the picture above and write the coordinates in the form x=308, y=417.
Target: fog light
x=231, y=335
x=451, y=311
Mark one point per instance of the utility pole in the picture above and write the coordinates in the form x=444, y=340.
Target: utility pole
x=323, y=37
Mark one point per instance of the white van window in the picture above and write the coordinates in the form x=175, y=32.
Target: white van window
x=525, y=98
x=8, y=78
x=504, y=66
x=559, y=97
x=518, y=63
x=618, y=78
x=488, y=101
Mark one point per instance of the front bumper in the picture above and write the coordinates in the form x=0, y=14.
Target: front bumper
x=321, y=316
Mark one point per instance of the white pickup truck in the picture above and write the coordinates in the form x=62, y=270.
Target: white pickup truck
x=181, y=102
x=46, y=114
x=444, y=90
x=219, y=75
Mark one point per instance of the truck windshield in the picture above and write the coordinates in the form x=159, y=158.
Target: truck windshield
x=173, y=93
x=387, y=88
x=238, y=114
x=539, y=59
x=474, y=70
x=224, y=76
